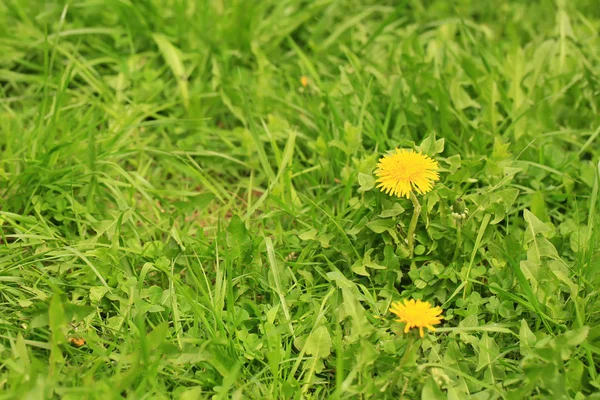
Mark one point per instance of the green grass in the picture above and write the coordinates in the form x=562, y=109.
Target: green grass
x=171, y=194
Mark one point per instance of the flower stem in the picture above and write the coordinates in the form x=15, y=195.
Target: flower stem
x=409, y=346
x=413, y=224
x=458, y=241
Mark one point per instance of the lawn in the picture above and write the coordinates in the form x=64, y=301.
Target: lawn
x=190, y=204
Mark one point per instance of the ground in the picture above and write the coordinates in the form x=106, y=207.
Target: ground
x=189, y=206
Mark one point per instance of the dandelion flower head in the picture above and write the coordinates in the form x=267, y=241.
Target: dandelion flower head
x=403, y=171
x=417, y=314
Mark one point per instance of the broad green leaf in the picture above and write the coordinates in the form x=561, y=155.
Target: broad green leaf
x=527, y=339
x=538, y=206
x=390, y=259
x=325, y=239
x=574, y=374
x=340, y=280
x=366, y=182
x=359, y=266
x=488, y=351
x=318, y=343
x=175, y=235
x=430, y=146
x=57, y=320
x=454, y=163
x=394, y=211
x=157, y=336
x=580, y=239
x=20, y=351
x=381, y=225
x=561, y=271
x=431, y=391
x=531, y=270
x=577, y=336
x=352, y=307
x=97, y=293
x=546, y=249
x=39, y=320
x=353, y=136
x=534, y=226
x=460, y=97
x=309, y=235
x=115, y=323
x=193, y=393
x=238, y=239
x=77, y=311
x=438, y=146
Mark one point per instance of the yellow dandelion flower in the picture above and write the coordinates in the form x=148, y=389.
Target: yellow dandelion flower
x=304, y=81
x=404, y=170
x=417, y=314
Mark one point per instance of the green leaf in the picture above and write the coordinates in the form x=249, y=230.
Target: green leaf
x=340, y=280
x=39, y=320
x=546, y=249
x=309, y=235
x=359, y=267
x=538, y=206
x=318, y=343
x=171, y=54
x=238, y=239
x=360, y=324
x=438, y=146
x=353, y=137
x=561, y=271
x=57, y=320
x=394, y=211
x=580, y=239
x=574, y=374
x=431, y=391
x=77, y=311
x=454, y=163
x=381, y=225
x=158, y=335
x=577, y=336
x=488, y=351
x=534, y=226
x=20, y=350
x=175, y=235
x=366, y=182
x=430, y=146
x=97, y=293
x=527, y=339
x=193, y=393
x=390, y=259
x=460, y=97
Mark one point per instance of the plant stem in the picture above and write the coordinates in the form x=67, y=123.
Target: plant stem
x=413, y=224
x=458, y=240
x=409, y=346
